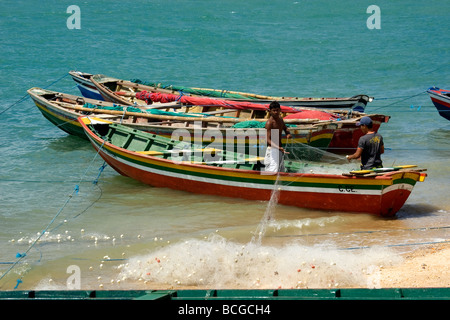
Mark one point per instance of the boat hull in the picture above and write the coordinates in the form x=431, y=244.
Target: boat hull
x=64, y=120
x=85, y=85
x=441, y=100
x=345, y=139
x=382, y=195
x=107, y=87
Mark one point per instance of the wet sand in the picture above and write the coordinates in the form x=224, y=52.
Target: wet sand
x=425, y=267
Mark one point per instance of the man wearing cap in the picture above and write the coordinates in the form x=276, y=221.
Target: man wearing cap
x=370, y=146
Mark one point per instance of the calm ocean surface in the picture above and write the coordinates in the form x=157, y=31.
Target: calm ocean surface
x=122, y=234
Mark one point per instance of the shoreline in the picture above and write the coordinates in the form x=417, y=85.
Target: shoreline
x=425, y=267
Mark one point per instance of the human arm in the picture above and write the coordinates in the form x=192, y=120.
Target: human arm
x=356, y=155
x=288, y=133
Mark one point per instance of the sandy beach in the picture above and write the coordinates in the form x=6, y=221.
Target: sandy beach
x=425, y=267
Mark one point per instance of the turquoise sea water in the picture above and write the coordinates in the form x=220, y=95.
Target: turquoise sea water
x=292, y=48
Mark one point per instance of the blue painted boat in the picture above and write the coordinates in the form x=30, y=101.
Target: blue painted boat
x=84, y=84
x=441, y=100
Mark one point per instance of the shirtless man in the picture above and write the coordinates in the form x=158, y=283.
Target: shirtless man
x=274, y=159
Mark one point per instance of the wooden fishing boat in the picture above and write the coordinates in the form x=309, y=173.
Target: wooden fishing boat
x=345, y=139
x=84, y=84
x=200, y=127
x=161, y=162
x=123, y=92
x=441, y=100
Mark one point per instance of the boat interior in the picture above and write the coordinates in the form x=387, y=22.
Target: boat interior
x=182, y=152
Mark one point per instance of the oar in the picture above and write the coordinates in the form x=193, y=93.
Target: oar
x=383, y=169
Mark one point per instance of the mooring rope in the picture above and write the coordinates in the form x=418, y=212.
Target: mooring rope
x=75, y=191
x=395, y=102
x=27, y=96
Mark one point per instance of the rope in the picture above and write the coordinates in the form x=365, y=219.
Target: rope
x=75, y=191
x=27, y=96
x=391, y=104
x=95, y=182
x=20, y=256
x=42, y=181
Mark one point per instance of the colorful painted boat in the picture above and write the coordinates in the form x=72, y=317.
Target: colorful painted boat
x=345, y=139
x=203, y=128
x=84, y=84
x=123, y=92
x=160, y=162
x=441, y=100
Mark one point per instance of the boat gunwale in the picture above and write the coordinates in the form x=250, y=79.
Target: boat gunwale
x=101, y=78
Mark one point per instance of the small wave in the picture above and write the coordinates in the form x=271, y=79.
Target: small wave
x=306, y=223
x=219, y=263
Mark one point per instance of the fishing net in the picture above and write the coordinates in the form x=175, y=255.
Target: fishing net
x=303, y=158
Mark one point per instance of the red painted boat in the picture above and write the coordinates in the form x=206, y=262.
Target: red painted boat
x=160, y=162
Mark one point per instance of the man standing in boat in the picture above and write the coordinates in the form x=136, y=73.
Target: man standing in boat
x=370, y=146
x=274, y=158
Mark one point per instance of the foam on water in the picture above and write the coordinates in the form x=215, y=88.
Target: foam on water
x=304, y=224
x=219, y=263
